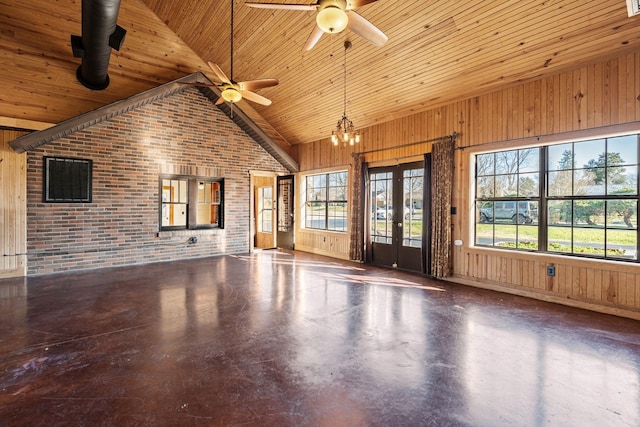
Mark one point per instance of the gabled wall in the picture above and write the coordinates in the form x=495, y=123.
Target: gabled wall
x=182, y=134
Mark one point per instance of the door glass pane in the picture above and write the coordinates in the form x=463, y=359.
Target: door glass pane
x=381, y=207
x=413, y=184
x=265, y=210
x=285, y=205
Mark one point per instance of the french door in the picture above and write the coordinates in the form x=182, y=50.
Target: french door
x=398, y=217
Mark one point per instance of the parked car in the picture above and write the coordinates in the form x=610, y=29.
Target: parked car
x=526, y=212
x=384, y=213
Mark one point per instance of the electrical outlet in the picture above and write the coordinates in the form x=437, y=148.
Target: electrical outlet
x=551, y=270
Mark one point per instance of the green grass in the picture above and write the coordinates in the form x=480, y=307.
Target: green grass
x=561, y=234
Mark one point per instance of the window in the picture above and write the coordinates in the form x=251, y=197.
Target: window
x=190, y=203
x=325, y=201
x=578, y=198
x=67, y=180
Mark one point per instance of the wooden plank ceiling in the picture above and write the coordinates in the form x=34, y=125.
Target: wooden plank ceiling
x=437, y=52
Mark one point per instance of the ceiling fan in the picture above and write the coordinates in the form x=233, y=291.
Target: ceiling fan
x=334, y=16
x=232, y=91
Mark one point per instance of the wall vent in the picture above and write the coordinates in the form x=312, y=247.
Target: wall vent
x=633, y=7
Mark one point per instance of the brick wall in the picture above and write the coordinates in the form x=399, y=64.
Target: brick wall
x=120, y=226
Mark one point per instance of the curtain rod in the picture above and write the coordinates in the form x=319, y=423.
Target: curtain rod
x=453, y=137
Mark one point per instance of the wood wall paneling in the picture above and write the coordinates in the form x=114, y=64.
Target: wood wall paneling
x=588, y=101
x=13, y=207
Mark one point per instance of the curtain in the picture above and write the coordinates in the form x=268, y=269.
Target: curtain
x=356, y=239
x=442, y=188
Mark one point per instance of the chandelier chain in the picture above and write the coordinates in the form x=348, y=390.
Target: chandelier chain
x=346, y=46
x=345, y=131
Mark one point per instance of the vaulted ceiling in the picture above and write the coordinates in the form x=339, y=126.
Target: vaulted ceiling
x=437, y=52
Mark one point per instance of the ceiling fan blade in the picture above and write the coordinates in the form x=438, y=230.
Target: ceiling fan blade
x=352, y=4
x=254, y=97
x=366, y=29
x=282, y=6
x=313, y=38
x=218, y=72
x=257, y=84
x=220, y=101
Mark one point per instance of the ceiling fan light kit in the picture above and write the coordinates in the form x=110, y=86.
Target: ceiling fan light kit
x=332, y=17
x=231, y=95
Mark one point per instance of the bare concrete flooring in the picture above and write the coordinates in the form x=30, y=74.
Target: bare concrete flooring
x=282, y=339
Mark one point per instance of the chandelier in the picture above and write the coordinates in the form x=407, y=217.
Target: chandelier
x=345, y=131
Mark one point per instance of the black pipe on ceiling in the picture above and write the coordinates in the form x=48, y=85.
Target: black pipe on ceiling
x=100, y=34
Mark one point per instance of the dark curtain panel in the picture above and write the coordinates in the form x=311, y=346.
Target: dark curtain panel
x=442, y=188
x=356, y=240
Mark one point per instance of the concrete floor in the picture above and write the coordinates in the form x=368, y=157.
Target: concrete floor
x=282, y=339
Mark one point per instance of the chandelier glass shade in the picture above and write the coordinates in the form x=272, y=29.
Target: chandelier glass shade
x=345, y=132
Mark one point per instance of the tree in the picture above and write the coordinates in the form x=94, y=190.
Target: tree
x=605, y=163
x=508, y=165
x=561, y=184
x=528, y=187
x=566, y=161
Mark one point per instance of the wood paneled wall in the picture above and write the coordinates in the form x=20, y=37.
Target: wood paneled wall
x=588, y=101
x=13, y=207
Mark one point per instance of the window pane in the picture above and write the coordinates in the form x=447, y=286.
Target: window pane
x=560, y=183
x=183, y=194
x=528, y=212
x=505, y=235
x=559, y=212
x=559, y=239
x=174, y=215
x=529, y=160
x=528, y=237
x=622, y=243
x=529, y=185
x=626, y=147
x=560, y=157
x=588, y=182
x=337, y=216
x=588, y=213
x=506, y=185
x=506, y=162
x=484, y=187
x=622, y=213
x=622, y=180
x=485, y=164
x=205, y=214
x=484, y=234
x=589, y=153
x=588, y=241
x=315, y=215
x=485, y=212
